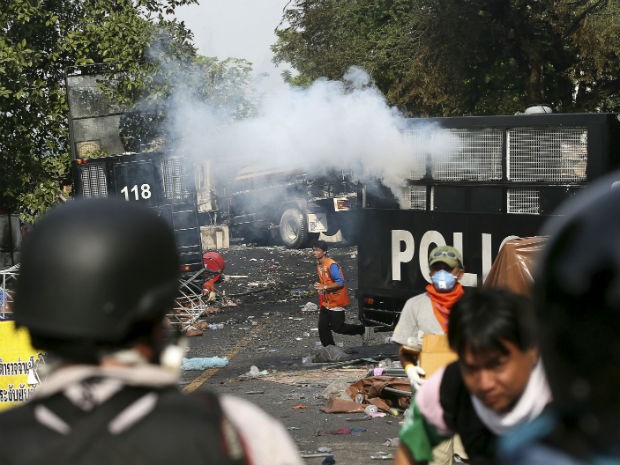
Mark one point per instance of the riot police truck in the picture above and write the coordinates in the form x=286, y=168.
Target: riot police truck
x=157, y=180
x=505, y=177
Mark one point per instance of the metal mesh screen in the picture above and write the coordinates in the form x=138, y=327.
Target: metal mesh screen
x=547, y=154
x=417, y=197
x=172, y=174
x=478, y=158
x=93, y=116
x=417, y=166
x=86, y=98
x=523, y=201
x=94, y=182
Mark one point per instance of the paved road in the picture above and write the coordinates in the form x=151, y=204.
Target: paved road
x=274, y=335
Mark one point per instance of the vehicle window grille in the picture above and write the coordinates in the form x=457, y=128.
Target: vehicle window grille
x=93, y=179
x=417, y=197
x=478, y=158
x=172, y=173
x=523, y=201
x=547, y=154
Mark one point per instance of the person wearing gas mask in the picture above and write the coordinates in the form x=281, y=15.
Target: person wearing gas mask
x=96, y=280
x=428, y=313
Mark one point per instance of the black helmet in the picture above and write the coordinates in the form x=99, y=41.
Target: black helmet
x=577, y=293
x=94, y=269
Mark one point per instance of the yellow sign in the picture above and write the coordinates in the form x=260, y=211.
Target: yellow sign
x=17, y=360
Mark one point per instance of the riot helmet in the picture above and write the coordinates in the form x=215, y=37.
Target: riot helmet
x=577, y=294
x=93, y=273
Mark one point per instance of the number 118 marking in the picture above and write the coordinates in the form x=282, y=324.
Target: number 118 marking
x=142, y=192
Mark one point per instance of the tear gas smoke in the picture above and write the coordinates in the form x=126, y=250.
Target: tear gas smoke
x=330, y=125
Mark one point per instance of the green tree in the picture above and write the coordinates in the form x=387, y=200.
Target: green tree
x=39, y=40
x=453, y=57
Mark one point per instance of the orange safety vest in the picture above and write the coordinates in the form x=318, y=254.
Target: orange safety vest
x=339, y=298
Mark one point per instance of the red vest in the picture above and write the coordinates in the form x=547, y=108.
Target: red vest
x=339, y=298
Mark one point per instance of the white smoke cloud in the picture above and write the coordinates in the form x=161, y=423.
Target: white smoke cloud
x=331, y=124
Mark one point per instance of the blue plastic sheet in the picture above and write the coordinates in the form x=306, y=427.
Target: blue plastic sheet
x=202, y=363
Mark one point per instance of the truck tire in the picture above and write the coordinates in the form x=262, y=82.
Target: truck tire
x=293, y=228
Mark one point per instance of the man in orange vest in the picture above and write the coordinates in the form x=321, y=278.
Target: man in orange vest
x=333, y=298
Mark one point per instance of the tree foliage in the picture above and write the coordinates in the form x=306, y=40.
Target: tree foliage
x=39, y=41
x=454, y=57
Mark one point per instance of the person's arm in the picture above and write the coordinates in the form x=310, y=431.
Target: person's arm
x=403, y=457
x=336, y=274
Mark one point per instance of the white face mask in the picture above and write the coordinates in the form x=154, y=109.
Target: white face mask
x=443, y=280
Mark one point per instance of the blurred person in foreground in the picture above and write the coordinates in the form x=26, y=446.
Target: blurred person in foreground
x=577, y=298
x=96, y=280
x=497, y=382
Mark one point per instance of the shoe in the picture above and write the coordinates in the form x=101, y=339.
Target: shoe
x=368, y=332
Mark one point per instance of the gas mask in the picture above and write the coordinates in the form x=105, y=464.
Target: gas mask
x=443, y=280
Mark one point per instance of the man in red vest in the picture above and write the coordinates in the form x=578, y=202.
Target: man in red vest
x=333, y=297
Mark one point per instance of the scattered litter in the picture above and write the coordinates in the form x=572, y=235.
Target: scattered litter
x=310, y=307
x=255, y=372
x=371, y=409
x=340, y=431
x=382, y=457
x=329, y=460
x=299, y=406
x=202, y=363
x=336, y=389
x=255, y=392
x=293, y=428
x=392, y=442
x=215, y=326
x=378, y=371
x=356, y=430
x=330, y=353
x=192, y=332
x=324, y=449
x=315, y=454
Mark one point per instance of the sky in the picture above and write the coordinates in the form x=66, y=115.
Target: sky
x=236, y=28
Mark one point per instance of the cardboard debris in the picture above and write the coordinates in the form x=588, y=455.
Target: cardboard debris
x=436, y=353
x=374, y=391
x=336, y=405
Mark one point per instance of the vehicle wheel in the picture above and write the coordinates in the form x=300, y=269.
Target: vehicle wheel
x=293, y=228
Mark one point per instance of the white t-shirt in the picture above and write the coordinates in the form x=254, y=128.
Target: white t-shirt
x=417, y=315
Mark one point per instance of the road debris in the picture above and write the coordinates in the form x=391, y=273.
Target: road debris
x=202, y=363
